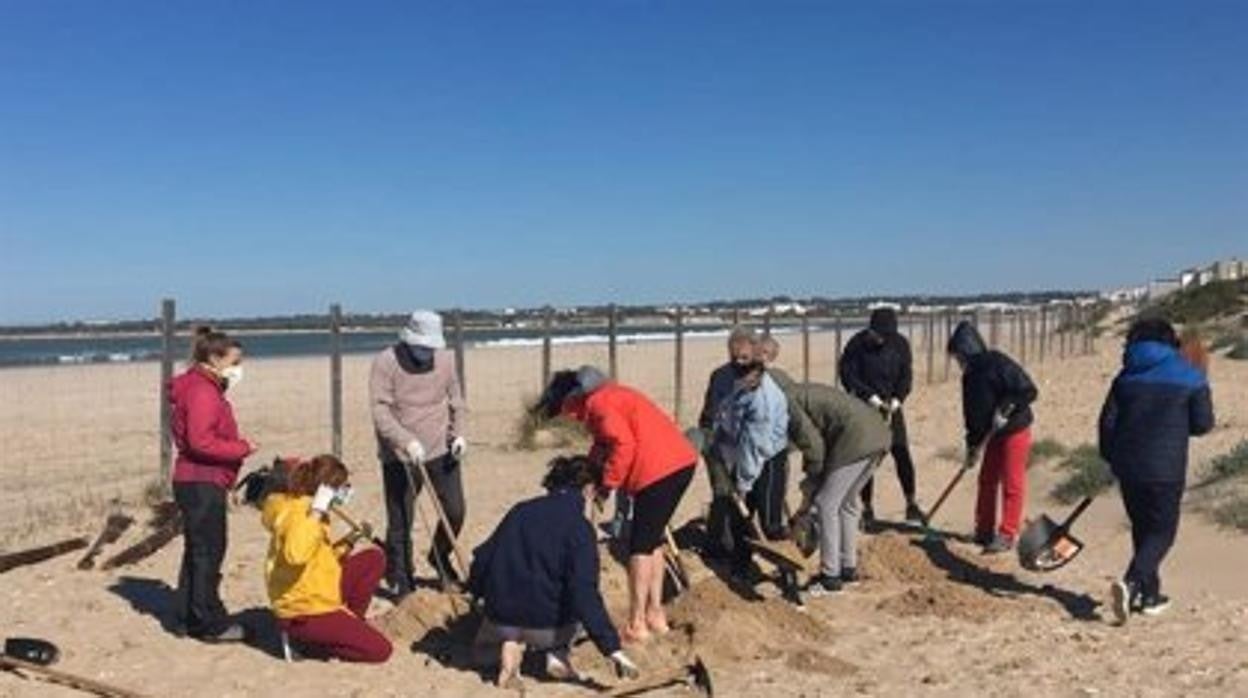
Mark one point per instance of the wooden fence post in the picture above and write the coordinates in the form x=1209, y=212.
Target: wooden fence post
x=168, y=320
x=680, y=362
x=929, y=334
x=458, y=334
x=547, y=323
x=335, y=379
x=1021, y=323
x=805, y=348
x=767, y=322
x=1044, y=331
x=945, y=340
x=836, y=358
x=612, y=350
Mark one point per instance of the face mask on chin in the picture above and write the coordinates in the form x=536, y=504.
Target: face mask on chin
x=232, y=375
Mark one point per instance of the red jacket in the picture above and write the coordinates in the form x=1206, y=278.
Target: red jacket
x=210, y=449
x=639, y=443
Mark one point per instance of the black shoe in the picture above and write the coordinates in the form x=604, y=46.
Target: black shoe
x=790, y=591
x=983, y=540
x=231, y=633
x=849, y=575
x=913, y=513
x=1154, y=605
x=867, y=523
x=999, y=544
x=823, y=585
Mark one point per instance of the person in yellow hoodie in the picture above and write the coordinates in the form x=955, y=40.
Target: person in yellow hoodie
x=320, y=592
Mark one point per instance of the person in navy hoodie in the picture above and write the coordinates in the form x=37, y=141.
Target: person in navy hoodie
x=537, y=578
x=1155, y=404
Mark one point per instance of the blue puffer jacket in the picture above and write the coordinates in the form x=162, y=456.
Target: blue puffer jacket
x=1156, y=403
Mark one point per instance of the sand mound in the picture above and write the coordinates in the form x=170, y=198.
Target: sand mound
x=938, y=580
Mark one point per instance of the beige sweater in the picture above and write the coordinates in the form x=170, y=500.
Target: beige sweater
x=428, y=407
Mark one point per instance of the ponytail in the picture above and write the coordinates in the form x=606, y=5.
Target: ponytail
x=207, y=343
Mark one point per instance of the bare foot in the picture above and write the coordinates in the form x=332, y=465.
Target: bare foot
x=633, y=635
x=657, y=623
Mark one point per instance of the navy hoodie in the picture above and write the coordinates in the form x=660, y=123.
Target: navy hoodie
x=1156, y=403
x=539, y=569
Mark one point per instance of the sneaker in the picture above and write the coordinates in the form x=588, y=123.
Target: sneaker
x=999, y=544
x=1154, y=605
x=823, y=585
x=559, y=666
x=849, y=575
x=1120, y=601
x=914, y=513
x=983, y=540
x=230, y=634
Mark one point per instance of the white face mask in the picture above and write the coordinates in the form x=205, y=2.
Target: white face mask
x=233, y=375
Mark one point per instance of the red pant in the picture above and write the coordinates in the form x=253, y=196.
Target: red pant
x=1005, y=467
x=344, y=634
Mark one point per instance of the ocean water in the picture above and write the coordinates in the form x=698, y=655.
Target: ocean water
x=91, y=349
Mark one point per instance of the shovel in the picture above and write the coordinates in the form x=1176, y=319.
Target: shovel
x=776, y=554
x=975, y=454
x=1046, y=545
x=696, y=676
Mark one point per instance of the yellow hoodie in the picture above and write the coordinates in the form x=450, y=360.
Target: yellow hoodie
x=302, y=571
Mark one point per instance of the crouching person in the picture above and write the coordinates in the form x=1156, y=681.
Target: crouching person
x=537, y=575
x=320, y=592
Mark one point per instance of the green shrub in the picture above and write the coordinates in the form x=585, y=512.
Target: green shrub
x=1202, y=303
x=1087, y=475
x=1233, y=463
x=1240, y=351
x=1233, y=513
x=1046, y=449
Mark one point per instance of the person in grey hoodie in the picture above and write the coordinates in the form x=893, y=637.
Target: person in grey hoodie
x=751, y=438
x=417, y=407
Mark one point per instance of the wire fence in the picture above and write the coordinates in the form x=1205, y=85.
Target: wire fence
x=79, y=437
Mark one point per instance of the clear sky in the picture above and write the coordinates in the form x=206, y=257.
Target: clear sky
x=271, y=157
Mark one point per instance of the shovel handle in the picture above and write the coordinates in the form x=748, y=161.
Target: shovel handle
x=1078, y=511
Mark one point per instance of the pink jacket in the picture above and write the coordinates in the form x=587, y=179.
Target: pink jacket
x=210, y=449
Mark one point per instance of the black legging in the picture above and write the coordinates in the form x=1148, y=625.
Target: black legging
x=901, y=457
x=204, y=538
x=400, y=500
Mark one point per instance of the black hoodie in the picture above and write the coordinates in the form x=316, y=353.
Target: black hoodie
x=877, y=360
x=991, y=381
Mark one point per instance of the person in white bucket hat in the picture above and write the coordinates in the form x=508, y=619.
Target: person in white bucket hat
x=417, y=407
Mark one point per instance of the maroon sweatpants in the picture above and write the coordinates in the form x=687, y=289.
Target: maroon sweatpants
x=344, y=634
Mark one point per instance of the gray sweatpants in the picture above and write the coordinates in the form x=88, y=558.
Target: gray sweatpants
x=838, y=510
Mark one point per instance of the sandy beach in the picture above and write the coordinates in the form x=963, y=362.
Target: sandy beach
x=927, y=621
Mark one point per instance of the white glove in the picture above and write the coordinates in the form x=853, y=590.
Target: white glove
x=342, y=495
x=876, y=402
x=999, y=420
x=458, y=445
x=624, y=667
x=415, y=452
x=323, y=499
x=894, y=405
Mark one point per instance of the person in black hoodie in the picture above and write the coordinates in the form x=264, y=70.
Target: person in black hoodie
x=1155, y=404
x=537, y=577
x=876, y=366
x=996, y=407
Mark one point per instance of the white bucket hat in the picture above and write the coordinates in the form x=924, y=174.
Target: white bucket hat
x=424, y=329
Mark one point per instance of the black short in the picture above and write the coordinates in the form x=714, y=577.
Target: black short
x=653, y=508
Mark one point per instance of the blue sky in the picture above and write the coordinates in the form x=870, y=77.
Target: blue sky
x=271, y=157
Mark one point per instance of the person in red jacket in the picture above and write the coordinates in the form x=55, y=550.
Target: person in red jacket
x=210, y=453
x=645, y=455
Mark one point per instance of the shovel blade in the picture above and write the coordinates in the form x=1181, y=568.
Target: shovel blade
x=1035, y=538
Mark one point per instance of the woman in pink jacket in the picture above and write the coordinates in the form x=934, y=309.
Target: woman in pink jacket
x=210, y=453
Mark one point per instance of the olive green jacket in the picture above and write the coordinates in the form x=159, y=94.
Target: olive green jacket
x=829, y=426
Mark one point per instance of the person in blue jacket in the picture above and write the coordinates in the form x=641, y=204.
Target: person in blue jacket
x=537, y=577
x=1155, y=404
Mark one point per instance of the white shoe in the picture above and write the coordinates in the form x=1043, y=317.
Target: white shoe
x=560, y=668
x=1120, y=601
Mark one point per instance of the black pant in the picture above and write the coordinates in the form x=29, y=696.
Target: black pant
x=398, y=481
x=204, y=540
x=901, y=457
x=766, y=499
x=1153, y=508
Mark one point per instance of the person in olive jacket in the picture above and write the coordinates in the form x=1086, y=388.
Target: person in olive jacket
x=876, y=366
x=841, y=440
x=1157, y=402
